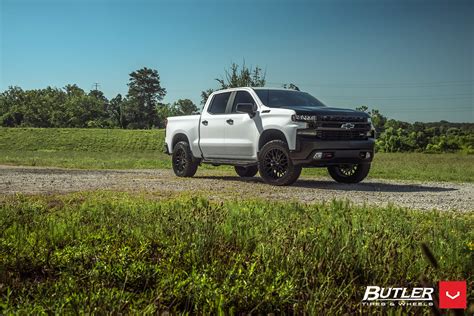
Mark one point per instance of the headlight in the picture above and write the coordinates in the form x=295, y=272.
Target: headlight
x=371, y=132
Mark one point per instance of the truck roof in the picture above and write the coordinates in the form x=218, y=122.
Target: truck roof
x=252, y=88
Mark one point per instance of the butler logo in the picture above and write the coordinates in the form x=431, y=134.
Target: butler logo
x=452, y=294
x=398, y=296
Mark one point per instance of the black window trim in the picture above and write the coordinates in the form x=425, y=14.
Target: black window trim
x=228, y=109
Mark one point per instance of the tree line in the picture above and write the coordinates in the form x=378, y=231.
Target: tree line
x=142, y=108
x=71, y=106
x=398, y=136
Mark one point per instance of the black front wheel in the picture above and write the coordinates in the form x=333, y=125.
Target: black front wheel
x=275, y=165
x=184, y=164
x=354, y=173
x=246, y=171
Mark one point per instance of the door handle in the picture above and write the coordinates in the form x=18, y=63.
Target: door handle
x=205, y=122
x=230, y=121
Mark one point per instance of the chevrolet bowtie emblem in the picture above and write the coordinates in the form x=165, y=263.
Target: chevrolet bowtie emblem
x=347, y=125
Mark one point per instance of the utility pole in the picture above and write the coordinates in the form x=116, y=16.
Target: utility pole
x=96, y=86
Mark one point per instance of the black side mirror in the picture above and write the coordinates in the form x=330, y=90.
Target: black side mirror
x=248, y=108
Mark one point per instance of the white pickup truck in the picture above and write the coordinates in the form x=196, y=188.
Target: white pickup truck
x=275, y=132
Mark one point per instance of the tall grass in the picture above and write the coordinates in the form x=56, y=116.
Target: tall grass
x=116, y=253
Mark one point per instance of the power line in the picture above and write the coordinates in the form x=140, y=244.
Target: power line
x=399, y=98
x=386, y=85
x=427, y=110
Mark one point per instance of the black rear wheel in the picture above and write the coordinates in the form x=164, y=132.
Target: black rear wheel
x=275, y=165
x=246, y=171
x=351, y=173
x=184, y=164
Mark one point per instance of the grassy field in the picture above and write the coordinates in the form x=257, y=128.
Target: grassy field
x=115, y=253
x=129, y=149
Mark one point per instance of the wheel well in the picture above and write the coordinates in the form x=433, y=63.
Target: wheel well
x=179, y=138
x=271, y=134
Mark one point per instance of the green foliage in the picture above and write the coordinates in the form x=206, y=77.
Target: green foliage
x=378, y=120
x=436, y=137
x=115, y=111
x=184, y=107
x=73, y=107
x=421, y=137
x=144, y=93
x=291, y=86
x=205, y=95
x=51, y=107
x=180, y=107
x=238, y=76
x=116, y=253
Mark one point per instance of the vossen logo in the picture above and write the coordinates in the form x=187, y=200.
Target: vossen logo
x=398, y=296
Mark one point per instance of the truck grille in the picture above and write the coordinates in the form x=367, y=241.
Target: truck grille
x=329, y=127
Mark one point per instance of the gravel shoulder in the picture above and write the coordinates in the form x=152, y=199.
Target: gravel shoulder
x=219, y=185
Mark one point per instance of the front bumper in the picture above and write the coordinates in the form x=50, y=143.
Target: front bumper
x=335, y=152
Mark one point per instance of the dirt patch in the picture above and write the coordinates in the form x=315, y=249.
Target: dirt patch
x=216, y=184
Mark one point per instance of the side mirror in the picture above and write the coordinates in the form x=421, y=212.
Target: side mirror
x=248, y=108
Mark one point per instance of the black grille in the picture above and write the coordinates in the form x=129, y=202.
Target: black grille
x=332, y=127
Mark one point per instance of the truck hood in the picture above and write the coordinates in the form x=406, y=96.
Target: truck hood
x=321, y=111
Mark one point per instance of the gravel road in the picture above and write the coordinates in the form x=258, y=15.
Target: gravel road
x=216, y=184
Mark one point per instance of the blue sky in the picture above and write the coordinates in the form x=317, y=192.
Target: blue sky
x=413, y=60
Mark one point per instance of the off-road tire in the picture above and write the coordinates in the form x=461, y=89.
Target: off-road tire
x=246, y=172
x=275, y=165
x=184, y=164
x=349, y=173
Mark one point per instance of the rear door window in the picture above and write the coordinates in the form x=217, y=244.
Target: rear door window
x=219, y=103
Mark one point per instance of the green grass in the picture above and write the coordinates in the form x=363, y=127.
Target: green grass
x=129, y=149
x=455, y=167
x=116, y=253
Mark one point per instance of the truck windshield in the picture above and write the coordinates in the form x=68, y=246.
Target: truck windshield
x=287, y=98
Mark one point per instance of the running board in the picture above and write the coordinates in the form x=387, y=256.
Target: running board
x=232, y=162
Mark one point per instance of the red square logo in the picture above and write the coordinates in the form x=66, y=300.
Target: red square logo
x=452, y=294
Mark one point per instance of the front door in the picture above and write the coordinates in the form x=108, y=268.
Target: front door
x=241, y=130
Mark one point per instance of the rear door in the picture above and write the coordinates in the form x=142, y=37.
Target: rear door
x=241, y=129
x=212, y=127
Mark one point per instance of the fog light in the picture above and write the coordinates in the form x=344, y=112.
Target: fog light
x=318, y=155
x=328, y=155
x=367, y=155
